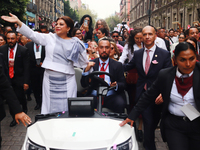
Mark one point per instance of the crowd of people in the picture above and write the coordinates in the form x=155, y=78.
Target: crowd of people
x=158, y=68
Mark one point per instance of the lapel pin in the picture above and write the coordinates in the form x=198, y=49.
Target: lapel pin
x=156, y=55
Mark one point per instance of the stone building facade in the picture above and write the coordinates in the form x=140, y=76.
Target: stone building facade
x=44, y=12
x=125, y=11
x=164, y=13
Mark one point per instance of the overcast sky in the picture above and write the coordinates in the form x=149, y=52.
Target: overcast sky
x=103, y=8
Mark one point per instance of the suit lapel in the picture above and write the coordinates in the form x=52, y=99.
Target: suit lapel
x=155, y=57
x=17, y=53
x=110, y=64
x=140, y=59
x=168, y=83
x=96, y=66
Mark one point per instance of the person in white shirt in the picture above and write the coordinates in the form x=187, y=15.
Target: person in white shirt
x=134, y=43
x=172, y=39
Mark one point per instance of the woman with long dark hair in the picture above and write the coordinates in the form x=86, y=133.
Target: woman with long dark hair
x=86, y=27
x=134, y=43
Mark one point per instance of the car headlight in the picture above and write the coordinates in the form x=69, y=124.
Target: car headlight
x=127, y=145
x=32, y=146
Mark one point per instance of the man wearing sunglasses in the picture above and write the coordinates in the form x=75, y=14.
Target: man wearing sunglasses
x=115, y=36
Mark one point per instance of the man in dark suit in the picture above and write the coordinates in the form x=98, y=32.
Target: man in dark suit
x=7, y=93
x=114, y=99
x=37, y=55
x=115, y=36
x=149, y=61
x=161, y=34
x=17, y=60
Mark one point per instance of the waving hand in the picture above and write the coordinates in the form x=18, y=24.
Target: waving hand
x=12, y=19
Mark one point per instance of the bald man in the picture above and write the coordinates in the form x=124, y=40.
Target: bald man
x=153, y=60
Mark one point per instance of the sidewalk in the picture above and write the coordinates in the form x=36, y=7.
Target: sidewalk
x=13, y=137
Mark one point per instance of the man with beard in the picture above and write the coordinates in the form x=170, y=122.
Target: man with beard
x=114, y=99
x=17, y=60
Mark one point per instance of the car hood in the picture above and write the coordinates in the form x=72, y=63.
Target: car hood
x=78, y=133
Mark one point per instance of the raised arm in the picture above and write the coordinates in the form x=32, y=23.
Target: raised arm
x=12, y=19
x=39, y=38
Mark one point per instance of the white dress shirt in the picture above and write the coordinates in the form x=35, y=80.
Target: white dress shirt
x=127, y=53
x=160, y=43
x=176, y=99
x=151, y=53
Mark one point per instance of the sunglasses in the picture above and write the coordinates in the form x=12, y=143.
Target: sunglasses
x=78, y=33
x=115, y=36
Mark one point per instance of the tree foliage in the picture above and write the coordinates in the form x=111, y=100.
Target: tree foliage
x=87, y=11
x=13, y=6
x=68, y=11
x=112, y=21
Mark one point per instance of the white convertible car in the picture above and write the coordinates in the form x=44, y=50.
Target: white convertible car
x=95, y=133
x=81, y=128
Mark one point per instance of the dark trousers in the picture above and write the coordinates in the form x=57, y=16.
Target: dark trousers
x=19, y=91
x=0, y=135
x=36, y=82
x=181, y=134
x=116, y=102
x=151, y=116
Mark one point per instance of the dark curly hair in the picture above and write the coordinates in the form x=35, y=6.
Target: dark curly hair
x=82, y=19
x=131, y=40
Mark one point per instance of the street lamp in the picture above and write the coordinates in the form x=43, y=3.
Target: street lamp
x=149, y=11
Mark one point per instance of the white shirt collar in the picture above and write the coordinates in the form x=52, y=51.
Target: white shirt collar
x=106, y=62
x=178, y=74
x=153, y=48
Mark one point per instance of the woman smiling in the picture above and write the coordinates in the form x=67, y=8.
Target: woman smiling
x=62, y=52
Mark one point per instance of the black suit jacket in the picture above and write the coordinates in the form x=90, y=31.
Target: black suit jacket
x=30, y=47
x=7, y=93
x=115, y=69
x=164, y=61
x=21, y=64
x=163, y=84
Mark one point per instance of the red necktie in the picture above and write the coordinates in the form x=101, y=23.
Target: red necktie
x=11, y=66
x=147, y=65
x=102, y=69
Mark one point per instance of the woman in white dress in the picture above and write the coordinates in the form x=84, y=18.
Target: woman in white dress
x=63, y=52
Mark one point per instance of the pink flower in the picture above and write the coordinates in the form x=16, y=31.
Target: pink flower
x=155, y=62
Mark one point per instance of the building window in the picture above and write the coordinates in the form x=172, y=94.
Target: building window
x=181, y=19
x=169, y=23
x=190, y=19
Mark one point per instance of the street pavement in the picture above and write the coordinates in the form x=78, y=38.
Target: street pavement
x=13, y=137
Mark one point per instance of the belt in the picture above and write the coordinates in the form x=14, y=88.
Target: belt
x=184, y=118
